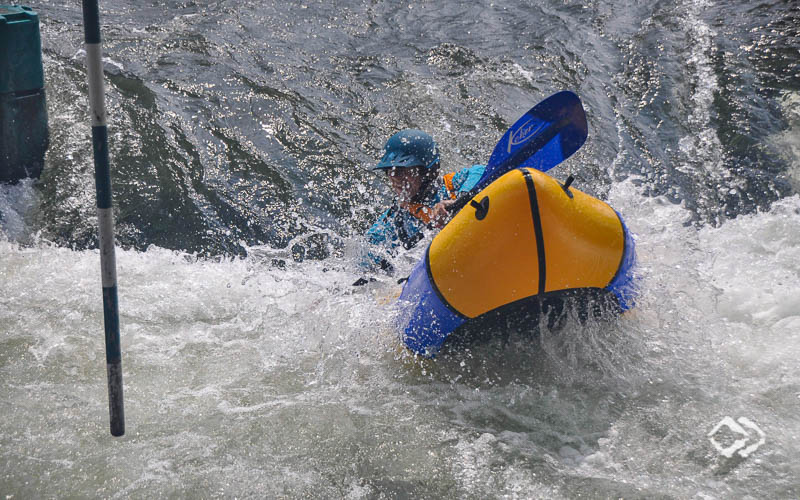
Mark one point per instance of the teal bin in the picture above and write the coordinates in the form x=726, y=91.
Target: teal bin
x=23, y=109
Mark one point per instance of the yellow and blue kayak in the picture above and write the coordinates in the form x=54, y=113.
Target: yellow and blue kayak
x=524, y=238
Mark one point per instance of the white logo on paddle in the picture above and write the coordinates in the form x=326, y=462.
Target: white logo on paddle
x=739, y=445
x=524, y=132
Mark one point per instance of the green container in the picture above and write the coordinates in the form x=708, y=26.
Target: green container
x=23, y=108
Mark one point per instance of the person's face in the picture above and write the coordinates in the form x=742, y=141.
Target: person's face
x=405, y=181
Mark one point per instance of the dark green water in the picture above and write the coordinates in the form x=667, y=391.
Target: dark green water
x=245, y=122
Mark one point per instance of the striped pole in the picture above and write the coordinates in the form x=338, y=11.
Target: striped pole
x=105, y=217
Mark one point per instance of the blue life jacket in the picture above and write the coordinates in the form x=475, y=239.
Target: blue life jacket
x=400, y=227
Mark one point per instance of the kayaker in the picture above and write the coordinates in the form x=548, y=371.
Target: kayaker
x=411, y=163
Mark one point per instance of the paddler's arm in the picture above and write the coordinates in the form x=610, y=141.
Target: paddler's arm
x=383, y=239
x=441, y=214
x=464, y=184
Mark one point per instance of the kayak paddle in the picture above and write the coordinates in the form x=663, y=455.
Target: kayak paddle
x=542, y=138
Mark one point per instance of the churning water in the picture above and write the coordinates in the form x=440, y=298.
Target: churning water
x=241, y=136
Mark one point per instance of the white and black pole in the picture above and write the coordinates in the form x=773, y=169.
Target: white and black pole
x=102, y=179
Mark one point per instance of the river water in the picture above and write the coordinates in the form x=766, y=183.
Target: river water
x=241, y=134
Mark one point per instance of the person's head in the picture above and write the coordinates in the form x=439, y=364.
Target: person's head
x=411, y=160
x=406, y=182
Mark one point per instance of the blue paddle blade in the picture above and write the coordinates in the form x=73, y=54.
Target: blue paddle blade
x=542, y=138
